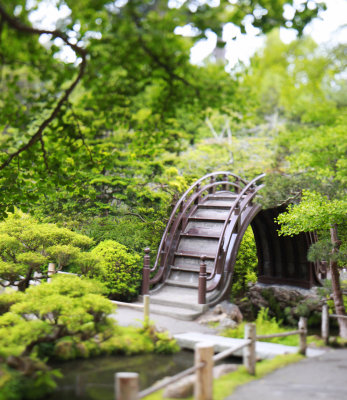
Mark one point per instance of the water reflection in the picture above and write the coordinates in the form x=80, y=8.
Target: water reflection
x=93, y=379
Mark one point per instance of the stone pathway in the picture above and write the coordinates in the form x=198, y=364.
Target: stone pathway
x=320, y=378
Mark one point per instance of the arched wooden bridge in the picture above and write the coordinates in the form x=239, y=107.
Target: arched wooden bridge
x=194, y=266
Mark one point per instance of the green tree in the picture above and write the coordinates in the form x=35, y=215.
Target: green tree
x=27, y=246
x=96, y=141
x=316, y=213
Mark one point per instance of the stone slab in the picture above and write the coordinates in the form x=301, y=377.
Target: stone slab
x=264, y=350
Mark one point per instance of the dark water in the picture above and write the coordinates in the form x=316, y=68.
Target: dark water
x=93, y=379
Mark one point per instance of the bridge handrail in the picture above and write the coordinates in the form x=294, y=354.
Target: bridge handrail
x=236, y=204
x=173, y=217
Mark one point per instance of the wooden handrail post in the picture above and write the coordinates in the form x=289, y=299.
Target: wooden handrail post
x=303, y=334
x=203, y=388
x=202, y=281
x=226, y=186
x=126, y=386
x=146, y=272
x=51, y=271
x=213, y=188
x=146, y=300
x=249, y=354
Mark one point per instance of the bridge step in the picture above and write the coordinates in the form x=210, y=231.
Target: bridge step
x=194, y=255
x=188, y=268
x=177, y=283
x=176, y=296
x=200, y=234
x=211, y=218
x=192, y=262
x=217, y=206
x=198, y=245
x=217, y=213
x=213, y=228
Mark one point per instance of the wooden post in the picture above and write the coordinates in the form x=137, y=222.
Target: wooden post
x=226, y=186
x=126, y=386
x=249, y=354
x=212, y=190
x=303, y=333
x=325, y=323
x=203, y=388
x=146, y=272
x=51, y=271
x=146, y=309
x=202, y=281
x=197, y=189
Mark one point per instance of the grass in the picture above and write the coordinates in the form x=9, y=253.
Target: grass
x=225, y=386
x=266, y=326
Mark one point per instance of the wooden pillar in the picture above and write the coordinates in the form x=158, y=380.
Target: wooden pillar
x=146, y=301
x=202, y=281
x=126, y=386
x=146, y=272
x=203, y=389
x=249, y=353
x=303, y=334
x=325, y=323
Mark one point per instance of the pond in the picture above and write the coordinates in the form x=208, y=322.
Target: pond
x=93, y=379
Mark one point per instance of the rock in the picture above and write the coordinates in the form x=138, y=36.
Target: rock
x=185, y=386
x=180, y=389
x=232, y=311
x=284, y=302
x=223, y=369
x=227, y=323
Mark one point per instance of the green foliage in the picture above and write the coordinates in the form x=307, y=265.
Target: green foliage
x=246, y=264
x=121, y=271
x=26, y=247
x=65, y=319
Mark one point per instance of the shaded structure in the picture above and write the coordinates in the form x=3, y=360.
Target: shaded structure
x=283, y=259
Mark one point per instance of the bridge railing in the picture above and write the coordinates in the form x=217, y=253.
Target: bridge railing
x=240, y=203
x=191, y=197
x=127, y=384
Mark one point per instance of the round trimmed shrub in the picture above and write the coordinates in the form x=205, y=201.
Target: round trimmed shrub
x=121, y=271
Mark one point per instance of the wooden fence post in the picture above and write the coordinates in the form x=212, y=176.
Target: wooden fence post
x=51, y=271
x=325, y=323
x=146, y=272
x=146, y=301
x=249, y=354
x=203, y=388
x=303, y=333
x=126, y=386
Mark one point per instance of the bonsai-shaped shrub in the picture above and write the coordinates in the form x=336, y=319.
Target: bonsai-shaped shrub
x=66, y=318
x=26, y=247
x=121, y=270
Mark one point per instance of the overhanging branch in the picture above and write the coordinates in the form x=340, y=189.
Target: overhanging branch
x=14, y=23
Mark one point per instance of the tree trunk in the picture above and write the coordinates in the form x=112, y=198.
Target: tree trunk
x=335, y=280
x=24, y=284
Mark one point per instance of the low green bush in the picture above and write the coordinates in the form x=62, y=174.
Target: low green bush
x=121, y=271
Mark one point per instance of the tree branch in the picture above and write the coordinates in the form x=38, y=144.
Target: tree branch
x=156, y=58
x=20, y=27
